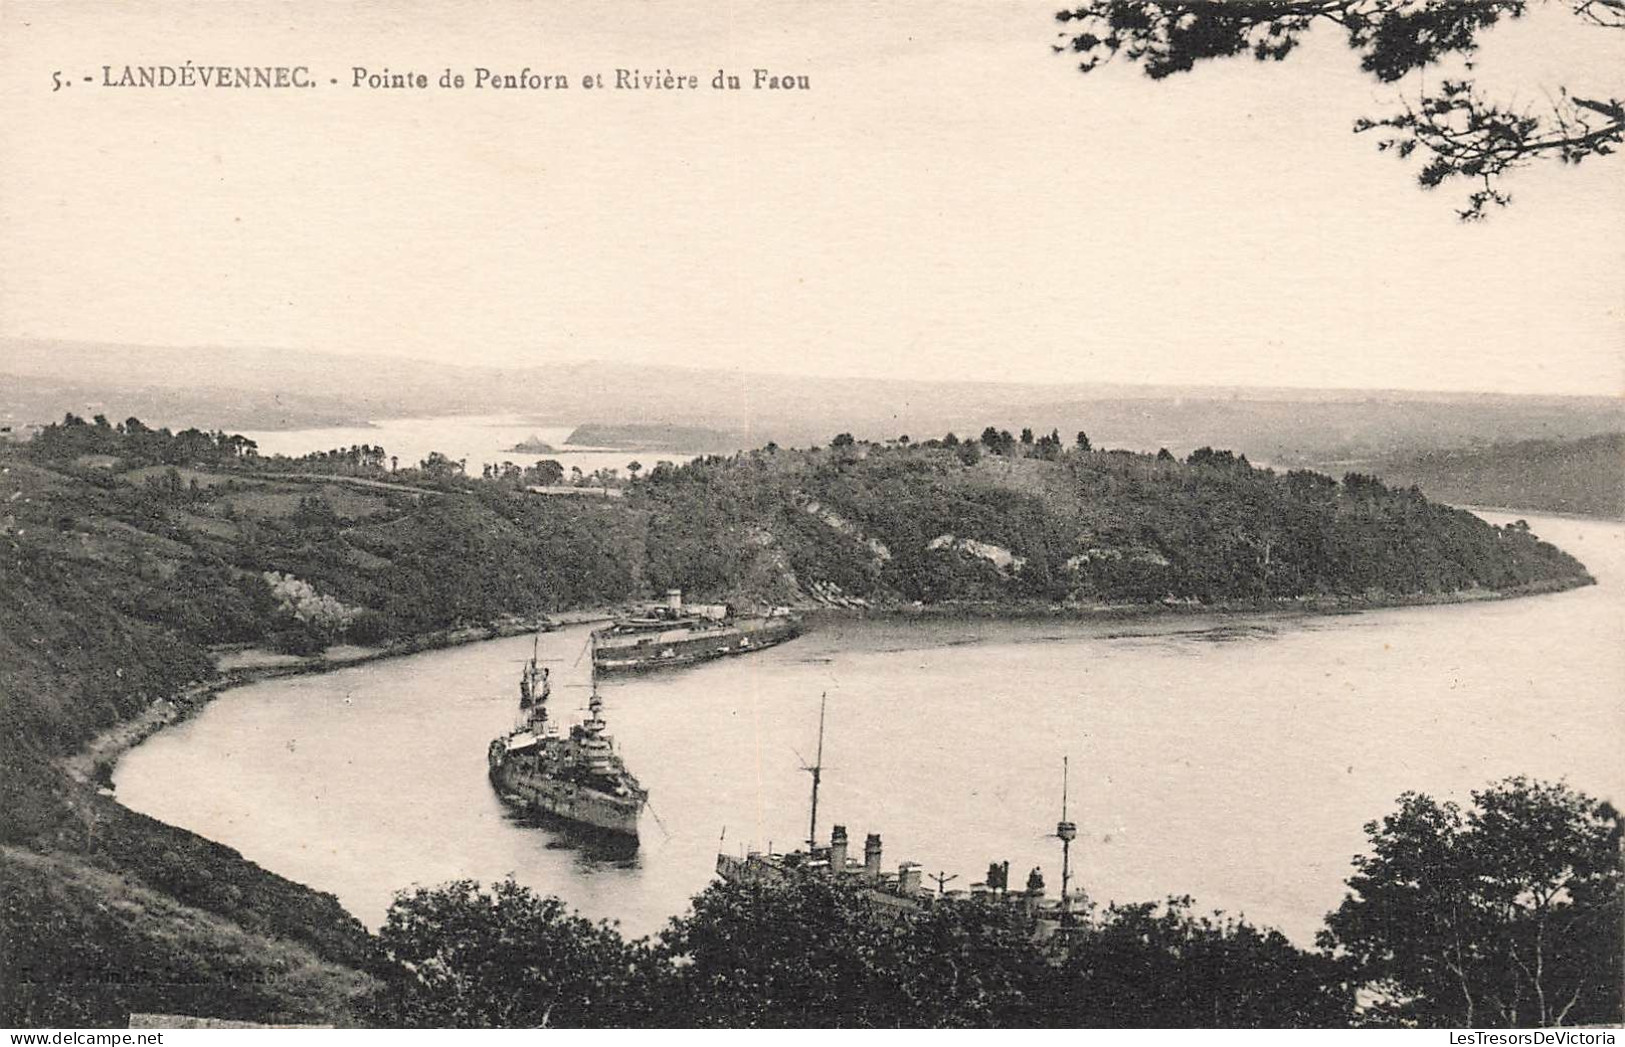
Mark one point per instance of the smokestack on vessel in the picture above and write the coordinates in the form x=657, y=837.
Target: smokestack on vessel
x=837, y=849
x=871, y=858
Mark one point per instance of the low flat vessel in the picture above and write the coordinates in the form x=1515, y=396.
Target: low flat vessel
x=671, y=634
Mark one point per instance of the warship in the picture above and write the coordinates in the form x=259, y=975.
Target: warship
x=891, y=894
x=894, y=894
x=576, y=777
x=671, y=634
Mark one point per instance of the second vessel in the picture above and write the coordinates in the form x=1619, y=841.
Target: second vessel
x=672, y=634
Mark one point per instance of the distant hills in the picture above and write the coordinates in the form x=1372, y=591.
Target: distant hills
x=1584, y=476
x=282, y=389
x=34, y=399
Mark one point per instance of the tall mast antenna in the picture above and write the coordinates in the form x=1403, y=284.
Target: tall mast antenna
x=1066, y=831
x=816, y=770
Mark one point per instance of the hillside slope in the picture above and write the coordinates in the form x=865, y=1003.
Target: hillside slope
x=1561, y=476
x=934, y=524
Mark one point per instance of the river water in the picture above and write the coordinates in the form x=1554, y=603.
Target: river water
x=478, y=439
x=1230, y=758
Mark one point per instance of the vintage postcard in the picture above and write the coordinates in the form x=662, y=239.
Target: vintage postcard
x=677, y=514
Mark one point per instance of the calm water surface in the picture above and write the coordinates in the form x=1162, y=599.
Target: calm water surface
x=480, y=439
x=1233, y=759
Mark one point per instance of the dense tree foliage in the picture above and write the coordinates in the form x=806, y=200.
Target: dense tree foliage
x=1463, y=133
x=1158, y=966
x=131, y=439
x=814, y=953
x=1509, y=913
x=899, y=523
x=505, y=957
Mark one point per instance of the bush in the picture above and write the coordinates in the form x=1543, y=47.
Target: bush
x=370, y=629
x=299, y=640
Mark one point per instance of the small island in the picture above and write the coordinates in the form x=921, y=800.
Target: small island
x=533, y=444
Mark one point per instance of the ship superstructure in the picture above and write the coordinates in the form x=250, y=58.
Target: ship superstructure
x=577, y=777
x=904, y=891
x=670, y=634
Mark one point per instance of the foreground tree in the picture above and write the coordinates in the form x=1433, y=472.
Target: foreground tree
x=1506, y=914
x=503, y=958
x=1159, y=966
x=1462, y=133
x=815, y=953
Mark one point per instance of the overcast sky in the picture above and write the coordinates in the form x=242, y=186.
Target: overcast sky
x=950, y=200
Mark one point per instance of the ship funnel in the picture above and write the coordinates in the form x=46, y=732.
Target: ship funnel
x=871, y=857
x=1035, y=889
x=837, y=849
x=674, y=599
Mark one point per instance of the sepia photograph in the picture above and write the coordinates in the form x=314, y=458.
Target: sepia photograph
x=661, y=514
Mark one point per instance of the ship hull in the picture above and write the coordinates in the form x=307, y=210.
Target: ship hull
x=668, y=651
x=568, y=801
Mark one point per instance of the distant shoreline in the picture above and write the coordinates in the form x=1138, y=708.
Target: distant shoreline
x=1521, y=511
x=1283, y=607
x=94, y=762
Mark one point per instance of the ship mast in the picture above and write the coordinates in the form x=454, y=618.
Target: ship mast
x=817, y=771
x=534, y=688
x=1066, y=832
x=597, y=746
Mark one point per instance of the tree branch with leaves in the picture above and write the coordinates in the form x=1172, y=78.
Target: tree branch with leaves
x=1462, y=133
